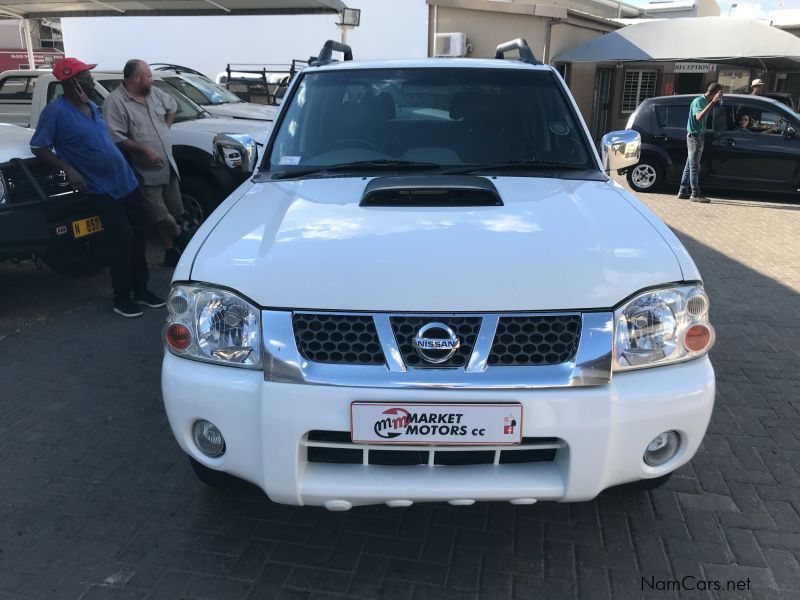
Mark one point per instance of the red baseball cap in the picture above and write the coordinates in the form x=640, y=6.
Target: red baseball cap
x=67, y=68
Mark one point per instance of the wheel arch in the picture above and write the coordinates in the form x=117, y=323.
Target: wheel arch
x=657, y=153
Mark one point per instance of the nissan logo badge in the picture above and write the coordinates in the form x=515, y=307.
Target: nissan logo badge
x=436, y=343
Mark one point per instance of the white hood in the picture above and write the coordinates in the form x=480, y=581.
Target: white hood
x=243, y=110
x=555, y=244
x=213, y=125
x=15, y=142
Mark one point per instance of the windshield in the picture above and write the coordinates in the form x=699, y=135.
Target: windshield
x=792, y=113
x=202, y=90
x=441, y=117
x=187, y=109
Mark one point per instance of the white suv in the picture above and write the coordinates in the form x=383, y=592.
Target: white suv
x=432, y=291
x=213, y=97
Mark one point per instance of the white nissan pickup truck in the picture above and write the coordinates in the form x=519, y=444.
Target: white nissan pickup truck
x=431, y=290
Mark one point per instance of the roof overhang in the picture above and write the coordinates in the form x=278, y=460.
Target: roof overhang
x=26, y=9
x=527, y=7
x=702, y=39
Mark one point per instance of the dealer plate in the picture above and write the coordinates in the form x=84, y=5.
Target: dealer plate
x=85, y=227
x=418, y=423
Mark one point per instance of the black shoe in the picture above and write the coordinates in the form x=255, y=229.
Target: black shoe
x=683, y=195
x=148, y=298
x=127, y=308
x=171, y=257
x=699, y=198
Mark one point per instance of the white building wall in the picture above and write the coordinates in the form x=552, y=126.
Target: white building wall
x=389, y=29
x=9, y=34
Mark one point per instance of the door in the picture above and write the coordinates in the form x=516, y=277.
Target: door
x=756, y=153
x=791, y=85
x=601, y=101
x=689, y=83
x=669, y=134
x=16, y=97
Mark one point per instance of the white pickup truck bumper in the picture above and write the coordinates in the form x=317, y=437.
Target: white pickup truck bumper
x=602, y=430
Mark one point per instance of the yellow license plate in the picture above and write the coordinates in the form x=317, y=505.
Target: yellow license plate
x=86, y=227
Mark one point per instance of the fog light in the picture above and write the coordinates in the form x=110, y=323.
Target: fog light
x=661, y=449
x=208, y=439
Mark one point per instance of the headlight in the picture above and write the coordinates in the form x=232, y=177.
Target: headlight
x=213, y=325
x=662, y=326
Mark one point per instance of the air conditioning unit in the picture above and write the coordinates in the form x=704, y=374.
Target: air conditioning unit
x=451, y=44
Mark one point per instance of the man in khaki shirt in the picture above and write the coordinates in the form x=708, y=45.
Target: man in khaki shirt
x=139, y=116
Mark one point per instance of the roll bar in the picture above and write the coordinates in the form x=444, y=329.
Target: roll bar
x=520, y=44
x=328, y=48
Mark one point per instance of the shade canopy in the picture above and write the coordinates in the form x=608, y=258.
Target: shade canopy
x=707, y=39
x=25, y=9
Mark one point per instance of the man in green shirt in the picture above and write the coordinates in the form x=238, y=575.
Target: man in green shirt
x=695, y=138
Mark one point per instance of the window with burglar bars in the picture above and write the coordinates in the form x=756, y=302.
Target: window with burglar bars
x=637, y=86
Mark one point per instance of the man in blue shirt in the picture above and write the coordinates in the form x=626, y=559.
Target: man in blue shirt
x=73, y=127
x=695, y=138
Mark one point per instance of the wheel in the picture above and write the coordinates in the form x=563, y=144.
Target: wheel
x=647, y=176
x=76, y=258
x=194, y=214
x=213, y=479
x=198, y=202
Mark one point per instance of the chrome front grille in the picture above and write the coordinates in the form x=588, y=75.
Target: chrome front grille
x=335, y=447
x=338, y=339
x=497, y=351
x=535, y=340
x=519, y=340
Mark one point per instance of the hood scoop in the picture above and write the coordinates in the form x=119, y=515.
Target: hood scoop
x=431, y=190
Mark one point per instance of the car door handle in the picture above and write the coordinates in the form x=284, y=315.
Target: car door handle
x=660, y=137
x=728, y=141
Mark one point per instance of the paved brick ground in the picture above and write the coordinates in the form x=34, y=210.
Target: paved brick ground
x=96, y=500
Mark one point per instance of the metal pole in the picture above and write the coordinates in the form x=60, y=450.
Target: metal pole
x=344, y=33
x=29, y=43
x=547, y=39
x=435, y=27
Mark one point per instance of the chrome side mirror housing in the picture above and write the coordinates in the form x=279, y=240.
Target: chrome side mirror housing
x=237, y=151
x=620, y=149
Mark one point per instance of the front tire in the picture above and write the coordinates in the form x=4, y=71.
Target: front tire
x=646, y=176
x=199, y=201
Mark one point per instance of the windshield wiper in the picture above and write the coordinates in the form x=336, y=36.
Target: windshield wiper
x=360, y=165
x=519, y=165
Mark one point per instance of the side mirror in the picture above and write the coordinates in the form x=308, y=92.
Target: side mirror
x=620, y=149
x=237, y=151
x=789, y=131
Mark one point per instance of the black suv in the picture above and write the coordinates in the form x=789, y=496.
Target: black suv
x=763, y=156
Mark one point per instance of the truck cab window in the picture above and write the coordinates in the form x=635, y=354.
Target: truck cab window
x=17, y=88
